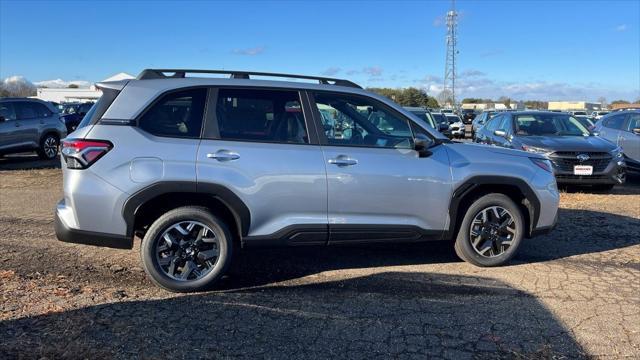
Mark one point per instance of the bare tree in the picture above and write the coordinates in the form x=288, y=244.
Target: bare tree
x=17, y=86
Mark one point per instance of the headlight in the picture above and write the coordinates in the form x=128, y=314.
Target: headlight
x=534, y=149
x=543, y=164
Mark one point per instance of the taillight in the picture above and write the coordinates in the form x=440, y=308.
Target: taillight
x=80, y=154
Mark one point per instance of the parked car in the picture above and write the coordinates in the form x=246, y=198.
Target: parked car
x=577, y=155
x=443, y=123
x=597, y=115
x=426, y=116
x=73, y=113
x=456, y=126
x=254, y=169
x=623, y=128
x=30, y=125
x=468, y=115
x=480, y=120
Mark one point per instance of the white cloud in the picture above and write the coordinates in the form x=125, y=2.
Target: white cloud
x=250, y=51
x=59, y=83
x=621, y=27
x=374, y=71
x=331, y=71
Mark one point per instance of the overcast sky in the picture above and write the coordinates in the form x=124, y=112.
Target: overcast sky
x=547, y=50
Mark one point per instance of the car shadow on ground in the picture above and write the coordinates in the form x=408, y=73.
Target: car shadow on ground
x=392, y=314
x=27, y=161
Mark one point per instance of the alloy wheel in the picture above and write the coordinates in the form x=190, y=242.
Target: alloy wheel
x=187, y=250
x=50, y=147
x=492, y=231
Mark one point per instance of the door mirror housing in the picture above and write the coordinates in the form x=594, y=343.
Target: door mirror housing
x=636, y=131
x=500, y=133
x=422, y=143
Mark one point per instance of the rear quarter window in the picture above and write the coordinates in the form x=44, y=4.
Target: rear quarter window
x=177, y=114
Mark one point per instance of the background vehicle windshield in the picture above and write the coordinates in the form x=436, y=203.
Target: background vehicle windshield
x=426, y=117
x=453, y=118
x=549, y=125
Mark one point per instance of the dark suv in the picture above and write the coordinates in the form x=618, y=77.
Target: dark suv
x=30, y=124
x=578, y=156
x=73, y=113
x=468, y=115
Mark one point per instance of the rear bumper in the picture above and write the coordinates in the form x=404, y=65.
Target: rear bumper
x=70, y=235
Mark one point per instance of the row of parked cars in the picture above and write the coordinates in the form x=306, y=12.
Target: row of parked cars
x=28, y=124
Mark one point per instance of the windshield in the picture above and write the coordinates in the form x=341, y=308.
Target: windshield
x=579, y=113
x=439, y=118
x=453, y=118
x=549, y=125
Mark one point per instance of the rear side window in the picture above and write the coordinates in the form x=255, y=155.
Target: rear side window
x=41, y=110
x=261, y=115
x=177, y=114
x=26, y=110
x=634, y=121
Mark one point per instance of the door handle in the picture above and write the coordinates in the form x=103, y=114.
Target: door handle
x=224, y=155
x=343, y=160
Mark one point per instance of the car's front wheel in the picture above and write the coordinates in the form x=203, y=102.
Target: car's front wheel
x=186, y=249
x=491, y=231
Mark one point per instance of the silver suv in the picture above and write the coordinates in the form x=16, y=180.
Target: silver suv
x=201, y=167
x=28, y=125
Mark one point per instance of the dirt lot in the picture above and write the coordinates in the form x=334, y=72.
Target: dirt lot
x=574, y=293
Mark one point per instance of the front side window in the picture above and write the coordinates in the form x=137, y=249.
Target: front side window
x=359, y=121
x=177, y=114
x=7, y=111
x=634, y=121
x=615, y=122
x=261, y=115
x=41, y=110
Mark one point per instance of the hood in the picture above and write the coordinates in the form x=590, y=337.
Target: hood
x=479, y=148
x=569, y=143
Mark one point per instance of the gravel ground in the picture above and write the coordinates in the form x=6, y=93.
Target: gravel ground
x=574, y=293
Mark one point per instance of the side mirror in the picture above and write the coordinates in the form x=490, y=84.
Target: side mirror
x=500, y=133
x=636, y=131
x=422, y=143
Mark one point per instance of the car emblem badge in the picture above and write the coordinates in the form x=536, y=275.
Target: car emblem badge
x=583, y=157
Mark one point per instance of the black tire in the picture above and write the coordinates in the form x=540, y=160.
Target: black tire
x=148, y=249
x=49, y=145
x=463, y=244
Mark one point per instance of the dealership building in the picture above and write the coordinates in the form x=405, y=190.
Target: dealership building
x=65, y=95
x=573, y=105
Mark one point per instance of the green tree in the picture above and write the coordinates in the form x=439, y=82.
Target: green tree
x=408, y=96
x=620, y=102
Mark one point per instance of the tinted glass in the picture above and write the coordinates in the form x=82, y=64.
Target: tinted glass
x=26, y=110
x=261, y=115
x=440, y=118
x=178, y=114
x=426, y=117
x=634, y=121
x=549, y=125
x=7, y=111
x=615, y=121
x=99, y=108
x=452, y=118
x=361, y=121
x=41, y=110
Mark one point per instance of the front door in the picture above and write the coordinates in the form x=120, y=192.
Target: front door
x=378, y=187
x=258, y=146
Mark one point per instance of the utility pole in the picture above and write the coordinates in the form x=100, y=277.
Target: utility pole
x=450, y=63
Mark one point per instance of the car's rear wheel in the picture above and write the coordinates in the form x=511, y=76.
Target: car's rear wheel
x=186, y=249
x=491, y=231
x=49, y=147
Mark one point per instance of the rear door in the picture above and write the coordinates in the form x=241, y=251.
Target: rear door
x=379, y=189
x=628, y=140
x=9, y=126
x=28, y=123
x=258, y=144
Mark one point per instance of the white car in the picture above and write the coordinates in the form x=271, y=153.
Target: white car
x=596, y=115
x=456, y=126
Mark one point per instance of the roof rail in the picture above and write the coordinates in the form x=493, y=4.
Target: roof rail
x=181, y=73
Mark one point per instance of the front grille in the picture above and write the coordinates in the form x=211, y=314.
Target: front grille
x=566, y=160
x=581, y=177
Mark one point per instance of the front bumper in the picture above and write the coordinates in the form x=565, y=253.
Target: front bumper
x=70, y=235
x=613, y=174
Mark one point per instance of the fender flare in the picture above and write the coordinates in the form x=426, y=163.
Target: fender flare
x=475, y=181
x=238, y=208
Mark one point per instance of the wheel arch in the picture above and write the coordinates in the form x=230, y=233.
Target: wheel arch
x=149, y=203
x=475, y=187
